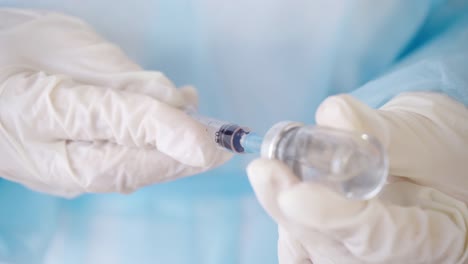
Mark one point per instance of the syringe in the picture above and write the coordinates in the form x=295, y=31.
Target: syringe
x=351, y=163
x=230, y=136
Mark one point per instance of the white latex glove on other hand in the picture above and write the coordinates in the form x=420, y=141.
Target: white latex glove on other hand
x=421, y=215
x=76, y=115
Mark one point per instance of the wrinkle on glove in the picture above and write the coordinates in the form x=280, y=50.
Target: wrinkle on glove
x=421, y=215
x=76, y=115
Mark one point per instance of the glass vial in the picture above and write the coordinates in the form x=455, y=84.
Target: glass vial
x=352, y=164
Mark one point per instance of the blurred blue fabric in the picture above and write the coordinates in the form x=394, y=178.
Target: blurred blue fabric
x=254, y=63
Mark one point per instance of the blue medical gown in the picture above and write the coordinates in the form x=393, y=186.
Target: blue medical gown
x=254, y=63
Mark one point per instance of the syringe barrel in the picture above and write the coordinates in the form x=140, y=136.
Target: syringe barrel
x=212, y=126
x=228, y=136
x=352, y=164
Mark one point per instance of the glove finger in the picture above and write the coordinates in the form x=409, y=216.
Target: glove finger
x=268, y=178
x=107, y=167
x=151, y=83
x=70, y=168
x=430, y=128
x=190, y=97
x=74, y=49
x=430, y=228
x=56, y=108
x=347, y=113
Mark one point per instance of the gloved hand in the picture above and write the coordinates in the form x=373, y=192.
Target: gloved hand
x=421, y=215
x=76, y=115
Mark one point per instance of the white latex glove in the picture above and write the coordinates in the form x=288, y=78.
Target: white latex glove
x=76, y=115
x=421, y=216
